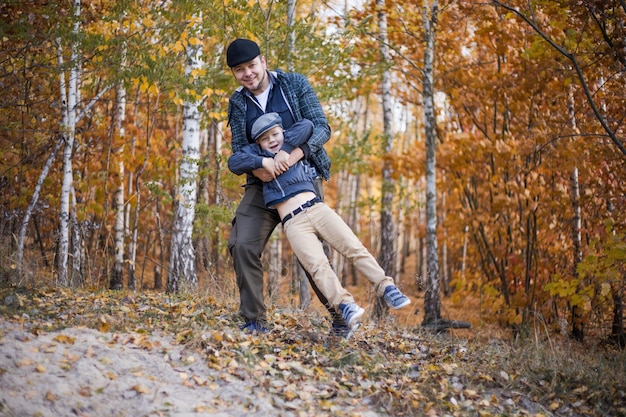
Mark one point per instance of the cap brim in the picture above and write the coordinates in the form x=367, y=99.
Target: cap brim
x=242, y=61
x=258, y=135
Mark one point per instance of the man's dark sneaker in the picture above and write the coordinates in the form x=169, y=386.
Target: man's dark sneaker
x=254, y=326
x=351, y=312
x=394, y=298
x=342, y=331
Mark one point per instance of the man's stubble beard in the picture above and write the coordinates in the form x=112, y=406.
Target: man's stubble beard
x=260, y=84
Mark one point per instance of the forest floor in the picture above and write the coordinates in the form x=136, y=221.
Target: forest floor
x=108, y=353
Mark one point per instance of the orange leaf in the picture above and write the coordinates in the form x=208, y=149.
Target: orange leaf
x=65, y=339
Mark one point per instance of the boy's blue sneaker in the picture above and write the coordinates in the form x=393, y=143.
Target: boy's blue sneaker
x=394, y=298
x=351, y=313
x=254, y=326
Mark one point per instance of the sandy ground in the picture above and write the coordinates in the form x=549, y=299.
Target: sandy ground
x=82, y=372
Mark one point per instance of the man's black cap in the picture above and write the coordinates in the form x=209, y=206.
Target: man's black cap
x=240, y=51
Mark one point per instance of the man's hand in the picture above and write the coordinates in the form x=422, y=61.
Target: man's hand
x=295, y=155
x=266, y=173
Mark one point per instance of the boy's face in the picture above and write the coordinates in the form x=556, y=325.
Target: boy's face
x=272, y=140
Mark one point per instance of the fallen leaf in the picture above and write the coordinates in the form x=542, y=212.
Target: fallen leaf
x=185, y=334
x=470, y=393
x=22, y=337
x=90, y=353
x=50, y=397
x=24, y=362
x=203, y=409
x=140, y=389
x=48, y=348
x=65, y=339
x=29, y=395
x=199, y=381
x=103, y=327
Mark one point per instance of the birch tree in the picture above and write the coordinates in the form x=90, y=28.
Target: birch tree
x=119, y=229
x=182, y=267
x=387, y=252
x=432, y=302
x=303, y=281
x=577, y=322
x=69, y=100
x=71, y=113
x=387, y=238
x=31, y=206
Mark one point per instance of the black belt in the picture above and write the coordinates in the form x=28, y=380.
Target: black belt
x=300, y=209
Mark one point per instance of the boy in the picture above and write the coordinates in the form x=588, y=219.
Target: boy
x=306, y=219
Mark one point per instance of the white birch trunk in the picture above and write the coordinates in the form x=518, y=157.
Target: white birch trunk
x=387, y=233
x=303, y=281
x=69, y=94
x=353, y=219
x=578, y=325
x=117, y=279
x=291, y=13
x=386, y=251
x=575, y=193
x=399, y=221
x=403, y=214
x=216, y=197
x=133, y=184
x=432, y=303
x=182, y=254
x=76, y=277
x=340, y=207
x=32, y=204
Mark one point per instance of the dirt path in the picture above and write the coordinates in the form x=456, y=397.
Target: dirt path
x=82, y=372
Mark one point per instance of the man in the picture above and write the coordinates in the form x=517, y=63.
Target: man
x=292, y=97
x=306, y=220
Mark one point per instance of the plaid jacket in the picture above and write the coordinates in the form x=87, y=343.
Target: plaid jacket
x=303, y=104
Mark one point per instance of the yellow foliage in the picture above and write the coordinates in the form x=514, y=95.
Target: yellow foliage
x=148, y=22
x=178, y=47
x=198, y=72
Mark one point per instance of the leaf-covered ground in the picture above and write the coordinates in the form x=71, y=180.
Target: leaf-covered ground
x=123, y=354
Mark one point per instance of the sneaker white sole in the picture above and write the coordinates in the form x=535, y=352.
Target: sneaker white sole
x=354, y=320
x=406, y=303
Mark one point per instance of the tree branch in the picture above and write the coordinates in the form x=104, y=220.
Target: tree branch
x=91, y=103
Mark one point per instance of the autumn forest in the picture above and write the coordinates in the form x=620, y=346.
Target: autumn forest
x=478, y=147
